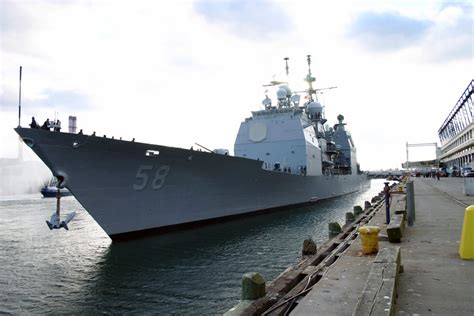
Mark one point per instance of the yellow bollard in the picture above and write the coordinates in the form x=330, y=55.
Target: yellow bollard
x=466, y=245
x=370, y=239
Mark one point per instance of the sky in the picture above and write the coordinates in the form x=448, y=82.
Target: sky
x=181, y=72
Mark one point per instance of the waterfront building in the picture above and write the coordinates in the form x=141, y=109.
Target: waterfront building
x=456, y=133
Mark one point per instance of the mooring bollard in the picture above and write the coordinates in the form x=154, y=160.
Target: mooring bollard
x=334, y=229
x=370, y=239
x=466, y=245
x=253, y=286
x=358, y=210
x=386, y=192
x=350, y=218
x=410, y=203
x=367, y=205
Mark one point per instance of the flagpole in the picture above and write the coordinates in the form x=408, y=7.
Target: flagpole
x=19, y=102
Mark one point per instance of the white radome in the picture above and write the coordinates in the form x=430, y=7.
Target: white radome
x=314, y=107
x=281, y=94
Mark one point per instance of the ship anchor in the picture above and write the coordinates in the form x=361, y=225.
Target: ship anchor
x=55, y=221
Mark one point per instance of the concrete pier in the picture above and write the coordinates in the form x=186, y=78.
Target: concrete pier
x=421, y=274
x=435, y=280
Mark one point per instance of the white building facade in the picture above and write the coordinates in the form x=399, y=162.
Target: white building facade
x=456, y=133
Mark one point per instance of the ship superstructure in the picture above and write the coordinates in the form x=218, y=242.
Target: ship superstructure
x=284, y=155
x=295, y=138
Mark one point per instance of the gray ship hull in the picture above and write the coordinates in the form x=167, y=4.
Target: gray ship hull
x=129, y=187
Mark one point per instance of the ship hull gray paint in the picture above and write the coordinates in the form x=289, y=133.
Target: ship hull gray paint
x=107, y=177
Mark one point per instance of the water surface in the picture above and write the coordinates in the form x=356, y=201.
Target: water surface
x=197, y=271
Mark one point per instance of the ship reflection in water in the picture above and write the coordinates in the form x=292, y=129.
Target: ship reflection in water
x=196, y=271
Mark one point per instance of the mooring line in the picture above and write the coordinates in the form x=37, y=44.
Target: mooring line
x=325, y=264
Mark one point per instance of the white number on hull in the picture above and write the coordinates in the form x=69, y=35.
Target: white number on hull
x=143, y=175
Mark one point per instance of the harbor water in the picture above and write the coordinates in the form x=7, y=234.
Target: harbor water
x=195, y=271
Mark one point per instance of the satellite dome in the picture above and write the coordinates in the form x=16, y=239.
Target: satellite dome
x=314, y=107
x=288, y=90
x=295, y=98
x=281, y=93
x=340, y=118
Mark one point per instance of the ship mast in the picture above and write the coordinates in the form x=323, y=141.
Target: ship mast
x=310, y=79
x=19, y=101
x=287, y=69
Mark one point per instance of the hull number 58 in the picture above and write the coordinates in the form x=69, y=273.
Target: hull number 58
x=147, y=175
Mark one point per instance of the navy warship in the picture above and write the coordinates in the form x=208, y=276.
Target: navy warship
x=284, y=155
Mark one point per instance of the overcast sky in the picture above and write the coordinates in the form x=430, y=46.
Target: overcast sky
x=179, y=72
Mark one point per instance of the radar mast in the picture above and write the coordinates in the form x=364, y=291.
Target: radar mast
x=286, y=67
x=310, y=79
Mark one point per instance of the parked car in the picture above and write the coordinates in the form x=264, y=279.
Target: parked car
x=454, y=172
x=443, y=173
x=467, y=172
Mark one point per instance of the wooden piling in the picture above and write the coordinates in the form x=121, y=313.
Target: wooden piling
x=334, y=229
x=309, y=247
x=253, y=286
x=350, y=218
x=358, y=210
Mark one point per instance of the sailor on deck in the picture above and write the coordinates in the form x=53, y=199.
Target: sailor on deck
x=46, y=125
x=33, y=123
x=57, y=126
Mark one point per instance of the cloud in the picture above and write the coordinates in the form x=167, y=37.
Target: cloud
x=174, y=70
x=66, y=100
x=386, y=31
x=443, y=36
x=55, y=99
x=259, y=19
x=15, y=22
x=452, y=36
x=13, y=18
x=466, y=5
